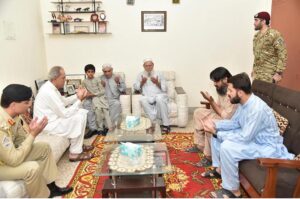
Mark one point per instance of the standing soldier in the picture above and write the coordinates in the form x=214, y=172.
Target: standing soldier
x=20, y=157
x=270, y=54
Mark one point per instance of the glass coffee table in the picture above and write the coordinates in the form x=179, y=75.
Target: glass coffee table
x=145, y=132
x=137, y=181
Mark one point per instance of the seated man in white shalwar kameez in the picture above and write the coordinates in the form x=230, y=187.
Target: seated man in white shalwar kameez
x=251, y=133
x=65, y=117
x=154, y=101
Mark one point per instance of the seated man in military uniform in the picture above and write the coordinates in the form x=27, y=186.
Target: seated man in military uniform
x=20, y=157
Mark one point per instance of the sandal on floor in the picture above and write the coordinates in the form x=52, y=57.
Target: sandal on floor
x=211, y=174
x=204, y=162
x=224, y=193
x=82, y=157
x=193, y=149
x=87, y=148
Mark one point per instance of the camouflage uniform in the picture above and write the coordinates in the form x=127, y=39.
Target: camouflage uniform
x=270, y=55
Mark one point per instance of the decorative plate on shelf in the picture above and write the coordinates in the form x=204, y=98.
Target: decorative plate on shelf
x=102, y=16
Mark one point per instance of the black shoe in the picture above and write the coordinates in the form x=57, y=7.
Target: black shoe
x=58, y=191
x=166, y=129
x=90, y=134
x=102, y=132
x=105, y=130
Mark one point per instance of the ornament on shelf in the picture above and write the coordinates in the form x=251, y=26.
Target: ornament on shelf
x=94, y=17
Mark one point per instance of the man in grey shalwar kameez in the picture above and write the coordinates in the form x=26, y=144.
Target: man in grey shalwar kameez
x=114, y=85
x=154, y=101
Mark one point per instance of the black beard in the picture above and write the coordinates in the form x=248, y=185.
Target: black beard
x=235, y=100
x=222, y=90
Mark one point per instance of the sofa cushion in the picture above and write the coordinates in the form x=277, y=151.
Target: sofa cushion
x=256, y=174
x=263, y=90
x=172, y=108
x=171, y=90
x=282, y=122
x=13, y=189
x=297, y=157
x=286, y=102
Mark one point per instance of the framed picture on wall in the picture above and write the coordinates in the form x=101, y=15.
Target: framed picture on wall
x=75, y=82
x=154, y=21
x=71, y=89
x=130, y=2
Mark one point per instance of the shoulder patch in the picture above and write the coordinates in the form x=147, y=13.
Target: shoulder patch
x=6, y=143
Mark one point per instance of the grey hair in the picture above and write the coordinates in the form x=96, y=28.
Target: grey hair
x=106, y=66
x=54, y=72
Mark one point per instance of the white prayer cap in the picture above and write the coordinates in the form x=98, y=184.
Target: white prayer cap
x=147, y=60
x=104, y=66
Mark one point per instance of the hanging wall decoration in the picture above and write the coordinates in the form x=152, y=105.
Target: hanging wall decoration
x=130, y=2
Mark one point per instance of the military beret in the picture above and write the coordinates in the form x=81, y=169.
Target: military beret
x=17, y=92
x=263, y=15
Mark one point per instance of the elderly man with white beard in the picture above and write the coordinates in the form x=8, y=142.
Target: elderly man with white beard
x=154, y=101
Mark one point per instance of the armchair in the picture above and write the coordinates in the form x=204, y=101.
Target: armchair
x=177, y=106
x=267, y=177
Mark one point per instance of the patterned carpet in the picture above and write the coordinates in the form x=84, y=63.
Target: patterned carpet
x=184, y=182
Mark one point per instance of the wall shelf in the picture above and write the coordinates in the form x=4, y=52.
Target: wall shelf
x=88, y=11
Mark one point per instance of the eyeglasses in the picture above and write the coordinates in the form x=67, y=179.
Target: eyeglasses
x=107, y=71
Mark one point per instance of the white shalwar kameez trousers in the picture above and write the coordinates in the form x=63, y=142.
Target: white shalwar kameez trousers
x=65, y=117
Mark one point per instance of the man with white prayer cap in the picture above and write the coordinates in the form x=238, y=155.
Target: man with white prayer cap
x=114, y=85
x=154, y=101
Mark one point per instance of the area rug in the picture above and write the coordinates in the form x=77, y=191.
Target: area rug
x=184, y=182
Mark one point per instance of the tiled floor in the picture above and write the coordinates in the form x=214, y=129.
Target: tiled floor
x=67, y=168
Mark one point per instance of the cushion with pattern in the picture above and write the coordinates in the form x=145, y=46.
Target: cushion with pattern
x=282, y=122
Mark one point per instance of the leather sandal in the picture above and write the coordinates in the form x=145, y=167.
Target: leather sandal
x=211, y=174
x=223, y=193
x=193, y=149
x=204, y=162
x=87, y=148
x=82, y=157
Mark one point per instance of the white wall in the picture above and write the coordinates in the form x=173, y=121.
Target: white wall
x=201, y=35
x=22, y=49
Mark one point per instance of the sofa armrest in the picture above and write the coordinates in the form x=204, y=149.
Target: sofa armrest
x=271, y=177
x=179, y=90
x=270, y=162
x=182, y=107
x=125, y=100
x=207, y=104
